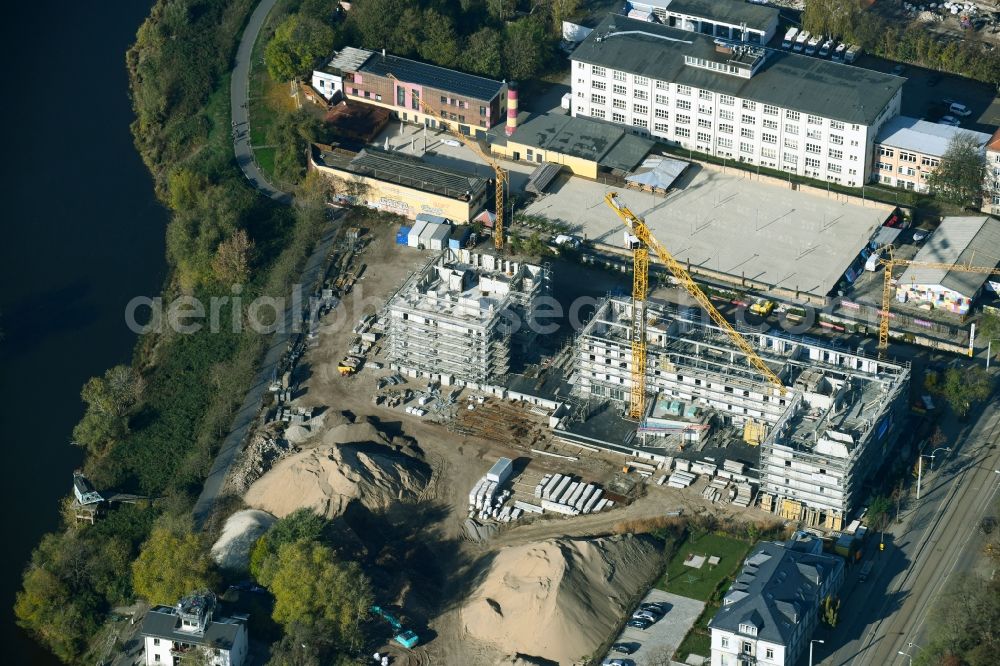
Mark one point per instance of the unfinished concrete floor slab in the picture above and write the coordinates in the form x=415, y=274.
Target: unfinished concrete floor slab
x=724, y=223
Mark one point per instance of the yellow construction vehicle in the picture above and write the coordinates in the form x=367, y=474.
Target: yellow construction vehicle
x=640, y=282
x=890, y=262
x=500, y=174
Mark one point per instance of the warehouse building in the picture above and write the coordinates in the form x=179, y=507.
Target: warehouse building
x=815, y=444
x=584, y=146
x=734, y=100
x=908, y=150
x=769, y=613
x=740, y=21
x=459, y=318
x=974, y=241
x=473, y=103
x=401, y=184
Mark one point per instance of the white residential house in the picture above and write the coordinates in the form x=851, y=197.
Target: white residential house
x=171, y=633
x=769, y=613
x=734, y=100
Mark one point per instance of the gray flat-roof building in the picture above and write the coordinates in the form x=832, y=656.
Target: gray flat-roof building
x=729, y=19
x=735, y=100
x=771, y=609
x=908, y=150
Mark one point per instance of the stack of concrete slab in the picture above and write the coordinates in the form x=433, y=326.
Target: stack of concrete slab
x=681, y=479
x=743, y=494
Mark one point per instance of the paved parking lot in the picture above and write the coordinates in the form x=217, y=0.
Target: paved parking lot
x=664, y=636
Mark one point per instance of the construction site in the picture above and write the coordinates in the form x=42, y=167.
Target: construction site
x=465, y=450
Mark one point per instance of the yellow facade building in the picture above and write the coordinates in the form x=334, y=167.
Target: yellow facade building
x=401, y=184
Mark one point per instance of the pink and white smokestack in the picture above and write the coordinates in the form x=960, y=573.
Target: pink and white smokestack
x=511, y=109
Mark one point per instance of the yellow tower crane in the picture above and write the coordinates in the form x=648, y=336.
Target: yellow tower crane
x=890, y=262
x=640, y=283
x=500, y=176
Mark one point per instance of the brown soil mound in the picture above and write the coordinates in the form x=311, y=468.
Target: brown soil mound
x=559, y=599
x=327, y=478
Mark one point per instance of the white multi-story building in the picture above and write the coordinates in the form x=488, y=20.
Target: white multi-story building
x=770, y=611
x=734, y=100
x=171, y=635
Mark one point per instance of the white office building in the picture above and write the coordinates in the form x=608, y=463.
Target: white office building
x=189, y=631
x=734, y=100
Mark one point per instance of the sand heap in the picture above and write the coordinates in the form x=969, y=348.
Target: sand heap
x=353, y=462
x=560, y=598
x=232, y=549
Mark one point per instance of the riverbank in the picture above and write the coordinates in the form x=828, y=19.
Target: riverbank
x=191, y=384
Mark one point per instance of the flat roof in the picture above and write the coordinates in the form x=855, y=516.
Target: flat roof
x=732, y=12
x=432, y=76
x=401, y=169
x=971, y=240
x=606, y=143
x=922, y=136
x=788, y=80
x=726, y=223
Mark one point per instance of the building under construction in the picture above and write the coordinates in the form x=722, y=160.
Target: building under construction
x=812, y=444
x=458, y=319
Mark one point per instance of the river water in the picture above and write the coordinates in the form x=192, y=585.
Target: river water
x=81, y=234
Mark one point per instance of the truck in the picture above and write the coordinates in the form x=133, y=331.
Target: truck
x=813, y=44
x=853, y=51
x=349, y=365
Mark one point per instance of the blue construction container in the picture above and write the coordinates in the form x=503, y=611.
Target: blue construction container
x=459, y=237
x=402, y=235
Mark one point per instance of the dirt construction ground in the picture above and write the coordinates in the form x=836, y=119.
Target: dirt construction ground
x=416, y=553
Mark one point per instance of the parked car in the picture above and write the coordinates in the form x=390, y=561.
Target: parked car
x=948, y=101
x=959, y=109
x=624, y=648
x=919, y=236
x=899, y=69
x=949, y=120
x=933, y=80
x=615, y=662
x=639, y=624
x=762, y=307
x=660, y=607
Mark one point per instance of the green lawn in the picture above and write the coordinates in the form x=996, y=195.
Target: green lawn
x=701, y=583
x=265, y=158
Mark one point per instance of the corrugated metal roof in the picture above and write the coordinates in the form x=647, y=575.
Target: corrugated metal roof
x=787, y=80
x=921, y=136
x=959, y=240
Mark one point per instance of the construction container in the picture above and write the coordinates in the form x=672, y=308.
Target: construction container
x=439, y=237
x=561, y=488
x=413, y=237
x=558, y=507
x=551, y=486
x=501, y=470
x=589, y=506
x=402, y=236
x=459, y=237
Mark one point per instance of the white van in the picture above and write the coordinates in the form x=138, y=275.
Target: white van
x=959, y=109
x=786, y=43
x=872, y=263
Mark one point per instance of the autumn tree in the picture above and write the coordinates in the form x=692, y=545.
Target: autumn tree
x=184, y=187
x=110, y=400
x=375, y=21
x=311, y=585
x=298, y=43
x=561, y=11
x=960, y=177
x=300, y=525
x=174, y=561
x=231, y=264
x=963, y=388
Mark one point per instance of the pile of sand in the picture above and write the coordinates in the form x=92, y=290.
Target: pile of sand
x=327, y=478
x=241, y=531
x=558, y=599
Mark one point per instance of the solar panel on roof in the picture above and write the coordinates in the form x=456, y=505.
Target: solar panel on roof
x=420, y=73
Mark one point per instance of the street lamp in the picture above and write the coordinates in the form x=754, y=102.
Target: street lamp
x=813, y=641
x=920, y=465
x=989, y=351
x=908, y=656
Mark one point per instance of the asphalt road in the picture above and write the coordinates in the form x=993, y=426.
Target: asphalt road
x=889, y=612
x=238, y=98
